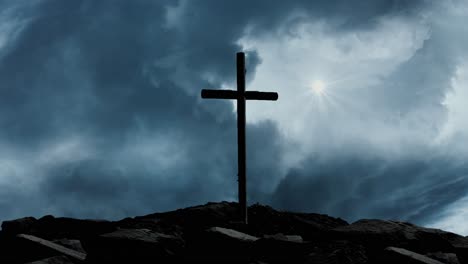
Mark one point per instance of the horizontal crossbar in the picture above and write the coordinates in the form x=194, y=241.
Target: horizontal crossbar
x=218, y=94
x=256, y=95
x=230, y=94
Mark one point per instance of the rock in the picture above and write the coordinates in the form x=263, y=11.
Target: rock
x=197, y=217
x=379, y=234
x=266, y=220
x=338, y=252
x=26, y=248
x=285, y=238
x=447, y=258
x=74, y=244
x=21, y=225
x=210, y=233
x=459, y=243
x=231, y=234
x=56, y=247
x=53, y=260
x=18, y=250
x=279, y=248
x=133, y=246
x=262, y=220
x=320, y=221
x=50, y=227
x=401, y=255
x=219, y=244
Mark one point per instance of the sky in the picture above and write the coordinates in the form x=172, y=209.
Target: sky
x=101, y=114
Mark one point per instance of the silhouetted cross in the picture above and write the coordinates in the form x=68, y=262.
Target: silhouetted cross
x=240, y=95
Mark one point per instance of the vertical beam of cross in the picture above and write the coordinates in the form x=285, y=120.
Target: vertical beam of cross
x=241, y=151
x=240, y=95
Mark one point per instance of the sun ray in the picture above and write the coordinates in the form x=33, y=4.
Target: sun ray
x=326, y=98
x=318, y=87
x=325, y=95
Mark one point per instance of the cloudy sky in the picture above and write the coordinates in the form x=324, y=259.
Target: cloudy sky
x=101, y=115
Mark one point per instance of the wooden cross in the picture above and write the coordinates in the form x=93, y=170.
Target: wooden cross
x=240, y=95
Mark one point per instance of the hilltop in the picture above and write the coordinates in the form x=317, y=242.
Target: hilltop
x=207, y=233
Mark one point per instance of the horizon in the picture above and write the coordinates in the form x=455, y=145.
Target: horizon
x=101, y=115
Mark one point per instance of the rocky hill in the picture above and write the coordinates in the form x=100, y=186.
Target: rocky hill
x=208, y=234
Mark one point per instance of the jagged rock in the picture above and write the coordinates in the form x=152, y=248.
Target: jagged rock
x=24, y=248
x=18, y=226
x=320, y=221
x=74, y=244
x=197, y=217
x=53, y=260
x=447, y=258
x=285, y=238
x=18, y=250
x=218, y=244
x=279, y=248
x=210, y=233
x=338, y=252
x=459, y=243
x=401, y=255
x=133, y=246
x=50, y=227
x=266, y=220
x=262, y=220
x=225, y=233
x=381, y=233
x=56, y=247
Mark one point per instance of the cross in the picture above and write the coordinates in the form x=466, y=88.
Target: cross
x=240, y=95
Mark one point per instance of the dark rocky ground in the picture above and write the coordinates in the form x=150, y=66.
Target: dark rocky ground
x=207, y=233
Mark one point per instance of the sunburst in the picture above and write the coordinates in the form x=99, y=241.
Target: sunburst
x=318, y=87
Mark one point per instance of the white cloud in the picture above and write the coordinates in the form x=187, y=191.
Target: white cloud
x=10, y=24
x=454, y=218
x=351, y=64
x=455, y=102
x=7, y=28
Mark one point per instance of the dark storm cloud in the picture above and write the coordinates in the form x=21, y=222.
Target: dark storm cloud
x=362, y=186
x=122, y=78
x=115, y=75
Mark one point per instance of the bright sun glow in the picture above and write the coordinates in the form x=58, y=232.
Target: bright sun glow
x=318, y=87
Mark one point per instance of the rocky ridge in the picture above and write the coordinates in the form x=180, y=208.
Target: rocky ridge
x=207, y=233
